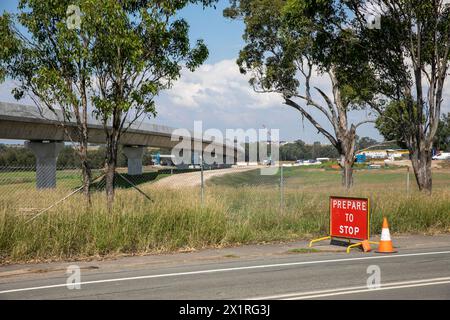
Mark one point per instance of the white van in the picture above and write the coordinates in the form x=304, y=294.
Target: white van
x=442, y=156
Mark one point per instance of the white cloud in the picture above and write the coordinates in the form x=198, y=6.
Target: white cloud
x=218, y=85
x=445, y=107
x=6, y=95
x=221, y=97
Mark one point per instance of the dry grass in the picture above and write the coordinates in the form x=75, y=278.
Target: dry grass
x=177, y=221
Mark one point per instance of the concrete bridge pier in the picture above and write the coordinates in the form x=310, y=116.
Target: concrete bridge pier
x=134, y=155
x=46, y=153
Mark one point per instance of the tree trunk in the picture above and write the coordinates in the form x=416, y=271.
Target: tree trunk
x=110, y=171
x=110, y=174
x=421, y=162
x=347, y=141
x=346, y=163
x=86, y=172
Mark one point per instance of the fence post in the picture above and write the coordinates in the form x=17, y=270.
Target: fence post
x=281, y=188
x=202, y=181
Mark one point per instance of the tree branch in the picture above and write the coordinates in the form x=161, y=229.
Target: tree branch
x=328, y=135
x=364, y=122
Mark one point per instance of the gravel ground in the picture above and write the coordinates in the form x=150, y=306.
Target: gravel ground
x=192, y=179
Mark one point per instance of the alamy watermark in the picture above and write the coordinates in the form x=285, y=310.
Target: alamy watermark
x=374, y=280
x=212, y=147
x=373, y=21
x=74, y=277
x=73, y=17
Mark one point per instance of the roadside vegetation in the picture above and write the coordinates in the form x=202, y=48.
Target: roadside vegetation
x=234, y=213
x=11, y=156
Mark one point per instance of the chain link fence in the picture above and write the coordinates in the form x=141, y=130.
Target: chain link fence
x=19, y=186
x=21, y=189
x=240, y=188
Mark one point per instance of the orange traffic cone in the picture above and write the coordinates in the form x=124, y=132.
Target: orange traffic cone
x=385, y=242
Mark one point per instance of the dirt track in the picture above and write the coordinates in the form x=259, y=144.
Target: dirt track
x=192, y=179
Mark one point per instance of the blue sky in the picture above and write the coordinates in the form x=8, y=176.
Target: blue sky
x=217, y=93
x=223, y=36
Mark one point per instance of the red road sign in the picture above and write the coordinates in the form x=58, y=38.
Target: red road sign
x=349, y=218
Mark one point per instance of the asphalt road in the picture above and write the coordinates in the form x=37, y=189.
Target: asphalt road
x=410, y=274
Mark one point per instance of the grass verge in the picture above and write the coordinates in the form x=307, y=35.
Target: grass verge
x=177, y=221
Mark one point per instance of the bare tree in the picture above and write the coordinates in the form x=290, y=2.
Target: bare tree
x=336, y=112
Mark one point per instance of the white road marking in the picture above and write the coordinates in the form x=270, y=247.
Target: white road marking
x=349, y=290
x=289, y=264
x=371, y=290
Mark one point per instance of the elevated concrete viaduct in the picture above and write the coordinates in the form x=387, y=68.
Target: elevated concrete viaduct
x=45, y=136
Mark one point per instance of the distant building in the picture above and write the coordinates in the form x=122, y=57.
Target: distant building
x=384, y=153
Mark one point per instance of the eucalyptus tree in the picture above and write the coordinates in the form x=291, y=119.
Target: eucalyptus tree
x=51, y=63
x=140, y=49
x=288, y=44
x=106, y=57
x=410, y=50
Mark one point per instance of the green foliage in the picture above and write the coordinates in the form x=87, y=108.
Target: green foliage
x=395, y=124
x=9, y=44
x=365, y=142
x=282, y=36
x=139, y=51
x=125, y=52
x=390, y=129
x=442, y=140
x=300, y=150
x=113, y=63
x=408, y=27
x=67, y=158
x=411, y=56
x=16, y=157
